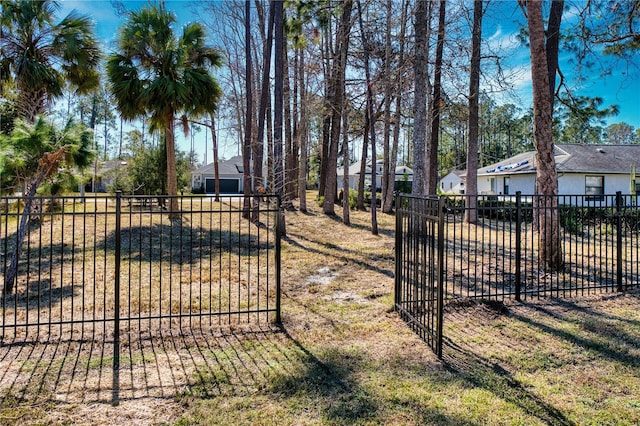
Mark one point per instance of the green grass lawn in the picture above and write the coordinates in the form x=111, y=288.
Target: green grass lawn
x=348, y=359
x=342, y=356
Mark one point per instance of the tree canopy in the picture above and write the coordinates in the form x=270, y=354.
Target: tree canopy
x=39, y=57
x=161, y=75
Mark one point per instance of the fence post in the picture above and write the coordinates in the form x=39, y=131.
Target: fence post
x=399, y=260
x=440, y=276
x=279, y=217
x=619, y=240
x=116, y=290
x=518, y=245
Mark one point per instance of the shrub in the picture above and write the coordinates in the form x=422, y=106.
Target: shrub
x=353, y=199
x=198, y=190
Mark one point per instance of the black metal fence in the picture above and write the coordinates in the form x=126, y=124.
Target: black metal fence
x=112, y=262
x=419, y=266
x=502, y=254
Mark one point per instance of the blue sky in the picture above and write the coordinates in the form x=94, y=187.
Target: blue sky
x=107, y=23
x=622, y=87
x=499, y=30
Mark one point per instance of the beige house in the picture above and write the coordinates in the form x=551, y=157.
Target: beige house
x=354, y=175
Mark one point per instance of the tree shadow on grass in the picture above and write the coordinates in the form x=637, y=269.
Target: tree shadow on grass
x=464, y=360
x=543, y=336
x=381, y=231
x=178, y=243
x=274, y=365
x=484, y=374
x=38, y=294
x=346, y=255
x=181, y=244
x=593, y=331
x=329, y=382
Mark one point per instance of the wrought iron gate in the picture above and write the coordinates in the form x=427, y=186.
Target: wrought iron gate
x=419, y=266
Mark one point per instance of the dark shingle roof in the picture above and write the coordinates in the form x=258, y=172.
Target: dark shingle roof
x=597, y=158
x=233, y=166
x=574, y=158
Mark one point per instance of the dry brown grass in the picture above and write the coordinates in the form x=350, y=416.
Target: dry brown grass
x=342, y=356
x=210, y=261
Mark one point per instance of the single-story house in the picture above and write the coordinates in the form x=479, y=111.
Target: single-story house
x=453, y=182
x=592, y=170
x=402, y=173
x=103, y=172
x=231, y=177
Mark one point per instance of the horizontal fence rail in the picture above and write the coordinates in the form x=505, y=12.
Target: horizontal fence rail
x=123, y=260
x=492, y=247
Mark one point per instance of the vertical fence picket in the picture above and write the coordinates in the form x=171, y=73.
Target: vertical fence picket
x=619, y=258
x=116, y=300
x=518, y=259
x=587, y=228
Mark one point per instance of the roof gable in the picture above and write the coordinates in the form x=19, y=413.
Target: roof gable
x=232, y=166
x=354, y=169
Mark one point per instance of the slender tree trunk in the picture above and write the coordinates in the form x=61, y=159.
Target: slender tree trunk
x=120, y=146
x=372, y=124
x=295, y=116
x=432, y=148
x=278, y=103
x=346, y=219
x=216, y=164
x=258, y=147
x=303, y=135
x=471, y=186
x=387, y=174
x=48, y=166
x=421, y=82
x=552, y=45
x=337, y=103
x=11, y=274
x=398, y=106
x=363, y=162
x=248, y=133
x=546, y=179
x=172, y=178
x=329, y=88
x=289, y=179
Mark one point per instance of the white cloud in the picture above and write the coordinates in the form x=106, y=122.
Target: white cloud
x=501, y=41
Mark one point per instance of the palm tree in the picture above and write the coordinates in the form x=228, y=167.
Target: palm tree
x=159, y=75
x=39, y=57
x=32, y=154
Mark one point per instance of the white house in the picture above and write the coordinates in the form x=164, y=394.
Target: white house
x=354, y=174
x=453, y=182
x=231, y=177
x=593, y=170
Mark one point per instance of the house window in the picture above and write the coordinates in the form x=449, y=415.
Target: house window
x=493, y=185
x=594, y=188
x=506, y=185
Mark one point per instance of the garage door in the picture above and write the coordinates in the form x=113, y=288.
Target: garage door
x=227, y=186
